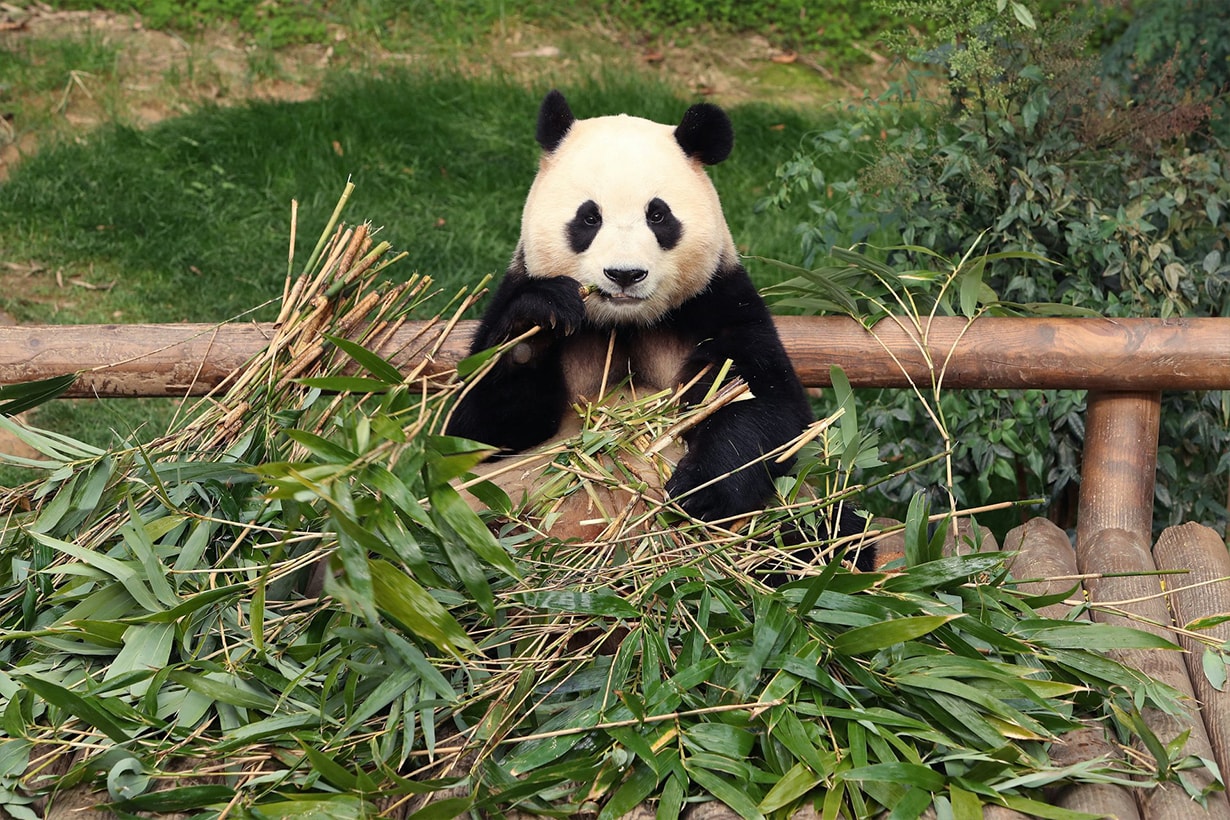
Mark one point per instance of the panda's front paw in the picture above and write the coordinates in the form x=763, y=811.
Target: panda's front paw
x=555, y=305
x=694, y=489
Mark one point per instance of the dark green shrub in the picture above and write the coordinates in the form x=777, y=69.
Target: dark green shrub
x=1191, y=38
x=1034, y=152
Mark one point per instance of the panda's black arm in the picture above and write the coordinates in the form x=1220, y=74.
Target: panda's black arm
x=519, y=403
x=732, y=322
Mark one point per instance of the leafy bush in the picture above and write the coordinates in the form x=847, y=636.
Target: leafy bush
x=1192, y=37
x=1037, y=153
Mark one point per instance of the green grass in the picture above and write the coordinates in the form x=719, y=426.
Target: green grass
x=834, y=29
x=190, y=218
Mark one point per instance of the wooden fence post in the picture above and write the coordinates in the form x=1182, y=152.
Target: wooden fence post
x=1119, y=465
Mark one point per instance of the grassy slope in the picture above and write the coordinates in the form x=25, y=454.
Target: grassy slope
x=191, y=215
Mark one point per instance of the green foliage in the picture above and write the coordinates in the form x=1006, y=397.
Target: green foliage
x=990, y=449
x=285, y=596
x=1126, y=195
x=1188, y=38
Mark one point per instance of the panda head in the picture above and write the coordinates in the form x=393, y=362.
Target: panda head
x=624, y=206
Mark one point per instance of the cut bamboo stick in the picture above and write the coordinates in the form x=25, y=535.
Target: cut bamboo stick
x=1042, y=551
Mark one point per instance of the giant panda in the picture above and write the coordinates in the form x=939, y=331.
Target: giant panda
x=625, y=257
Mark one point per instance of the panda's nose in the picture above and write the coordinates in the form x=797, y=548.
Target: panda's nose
x=625, y=277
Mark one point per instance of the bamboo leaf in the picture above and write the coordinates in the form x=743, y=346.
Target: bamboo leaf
x=89, y=709
x=1208, y=621
x=147, y=648
x=322, y=447
x=732, y=795
x=1213, y=663
x=773, y=626
x=328, y=768
x=1089, y=635
x=127, y=778
x=443, y=809
x=380, y=368
x=600, y=602
x=332, y=807
x=225, y=688
x=404, y=600
x=874, y=637
x=18, y=398
x=848, y=422
x=125, y=572
x=449, y=505
x=907, y=774
x=793, y=785
x=631, y=793
x=153, y=572
x=969, y=286
x=531, y=755
x=170, y=801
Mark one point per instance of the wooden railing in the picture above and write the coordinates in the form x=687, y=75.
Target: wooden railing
x=1125, y=364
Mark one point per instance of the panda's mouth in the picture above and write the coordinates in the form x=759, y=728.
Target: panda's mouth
x=620, y=297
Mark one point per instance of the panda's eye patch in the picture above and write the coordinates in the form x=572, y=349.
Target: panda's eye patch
x=584, y=226
x=666, y=227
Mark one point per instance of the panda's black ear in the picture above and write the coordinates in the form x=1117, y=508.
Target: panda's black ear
x=554, y=120
x=706, y=133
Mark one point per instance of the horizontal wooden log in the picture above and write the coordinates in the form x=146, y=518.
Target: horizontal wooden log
x=1101, y=354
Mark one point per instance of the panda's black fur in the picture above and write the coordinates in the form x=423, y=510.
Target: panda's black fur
x=719, y=316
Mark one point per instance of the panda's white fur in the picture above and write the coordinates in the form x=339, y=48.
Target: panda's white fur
x=626, y=274
x=622, y=163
